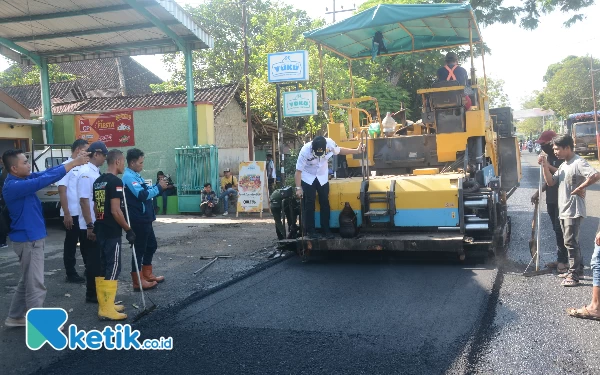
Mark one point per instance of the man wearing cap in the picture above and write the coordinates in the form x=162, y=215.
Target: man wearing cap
x=312, y=178
x=562, y=256
x=229, y=186
x=454, y=72
x=85, y=194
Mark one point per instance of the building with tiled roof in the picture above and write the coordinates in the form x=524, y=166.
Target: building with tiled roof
x=219, y=96
x=30, y=96
x=106, y=77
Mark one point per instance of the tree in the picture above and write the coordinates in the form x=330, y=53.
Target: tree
x=495, y=90
x=13, y=76
x=526, y=12
x=569, y=87
x=272, y=27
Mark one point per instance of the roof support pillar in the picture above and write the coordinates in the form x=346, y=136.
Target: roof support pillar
x=44, y=84
x=189, y=85
x=46, y=101
x=189, y=66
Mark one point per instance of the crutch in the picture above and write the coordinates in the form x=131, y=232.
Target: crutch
x=146, y=310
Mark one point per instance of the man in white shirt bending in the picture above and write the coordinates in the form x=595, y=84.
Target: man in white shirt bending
x=312, y=178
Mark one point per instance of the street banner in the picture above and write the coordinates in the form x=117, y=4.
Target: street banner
x=288, y=66
x=115, y=129
x=251, y=183
x=300, y=103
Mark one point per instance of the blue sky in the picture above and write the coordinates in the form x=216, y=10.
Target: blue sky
x=520, y=57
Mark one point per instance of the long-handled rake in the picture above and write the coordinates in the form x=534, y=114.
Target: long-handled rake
x=146, y=310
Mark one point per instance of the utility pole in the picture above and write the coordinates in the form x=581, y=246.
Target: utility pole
x=333, y=12
x=594, y=100
x=246, y=57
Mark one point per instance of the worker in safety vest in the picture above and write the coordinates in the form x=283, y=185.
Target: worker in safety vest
x=454, y=72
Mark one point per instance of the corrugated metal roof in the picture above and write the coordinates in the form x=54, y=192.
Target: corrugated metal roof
x=73, y=30
x=219, y=96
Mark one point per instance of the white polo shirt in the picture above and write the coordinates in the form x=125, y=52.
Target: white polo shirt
x=85, y=189
x=70, y=181
x=314, y=166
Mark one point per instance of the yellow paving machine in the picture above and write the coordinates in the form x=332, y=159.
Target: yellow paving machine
x=440, y=184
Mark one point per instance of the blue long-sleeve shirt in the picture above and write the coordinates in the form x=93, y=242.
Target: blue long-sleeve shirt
x=25, y=208
x=139, y=197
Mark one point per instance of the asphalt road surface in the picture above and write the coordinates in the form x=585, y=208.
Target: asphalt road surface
x=372, y=316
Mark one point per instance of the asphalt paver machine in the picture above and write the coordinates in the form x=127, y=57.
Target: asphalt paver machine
x=440, y=184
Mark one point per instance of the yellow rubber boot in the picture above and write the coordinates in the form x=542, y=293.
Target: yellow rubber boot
x=107, y=290
x=118, y=308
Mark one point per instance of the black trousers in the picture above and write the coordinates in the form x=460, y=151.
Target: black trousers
x=72, y=236
x=110, y=253
x=310, y=198
x=562, y=255
x=2, y=237
x=93, y=262
x=206, y=209
x=145, y=244
x=271, y=182
x=165, y=194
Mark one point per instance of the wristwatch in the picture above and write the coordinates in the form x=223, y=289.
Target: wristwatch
x=298, y=188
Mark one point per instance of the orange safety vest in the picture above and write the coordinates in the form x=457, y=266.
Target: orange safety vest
x=451, y=76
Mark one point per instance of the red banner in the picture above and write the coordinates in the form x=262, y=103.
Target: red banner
x=115, y=129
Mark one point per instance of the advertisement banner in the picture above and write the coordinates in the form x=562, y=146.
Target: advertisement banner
x=251, y=183
x=288, y=66
x=115, y=129
x=300, y=103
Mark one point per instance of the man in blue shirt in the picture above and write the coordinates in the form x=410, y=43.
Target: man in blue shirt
x=27, y=228
x=141, y=215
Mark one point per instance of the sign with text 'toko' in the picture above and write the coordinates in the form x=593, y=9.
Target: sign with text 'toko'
x=300, y=103
x=288, y=66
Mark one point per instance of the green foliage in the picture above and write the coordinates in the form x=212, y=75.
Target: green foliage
x=531, y=101
x=530, y=126
x=167, y=86
x=569, y=86
x=14, y=76
x=272, y=27
x=526, y=12
x=495, y=90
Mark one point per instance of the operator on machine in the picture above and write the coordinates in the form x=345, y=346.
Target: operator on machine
x=454, y=72
x=312, y=178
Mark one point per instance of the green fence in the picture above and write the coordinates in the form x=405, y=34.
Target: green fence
x=195, y=167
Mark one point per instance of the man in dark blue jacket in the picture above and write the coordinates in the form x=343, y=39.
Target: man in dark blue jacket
x=28, y=229
x=141, y=215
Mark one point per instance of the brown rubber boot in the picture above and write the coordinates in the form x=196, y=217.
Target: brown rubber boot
x=145, y=284
x=149, y=276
